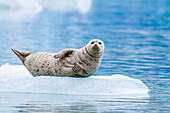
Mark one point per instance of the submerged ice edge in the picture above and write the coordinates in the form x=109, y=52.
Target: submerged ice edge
x=15, y=78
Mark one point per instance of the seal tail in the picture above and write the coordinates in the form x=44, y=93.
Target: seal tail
x=21, y=55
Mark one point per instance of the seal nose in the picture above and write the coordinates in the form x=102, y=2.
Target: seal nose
x=95, y=47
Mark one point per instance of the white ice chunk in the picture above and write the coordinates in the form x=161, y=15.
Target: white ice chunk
x=15, y=78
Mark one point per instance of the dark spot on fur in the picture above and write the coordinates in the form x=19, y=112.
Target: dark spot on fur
x=56, y=70
x=49, y=68
x=80, y=63
x=37, y=70
x=42, y=66
x=55, y=56
x=49, y=72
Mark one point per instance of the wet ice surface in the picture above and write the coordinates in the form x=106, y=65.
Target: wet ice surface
x=18, y=79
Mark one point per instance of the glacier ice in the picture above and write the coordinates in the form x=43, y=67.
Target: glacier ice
x=15, y=78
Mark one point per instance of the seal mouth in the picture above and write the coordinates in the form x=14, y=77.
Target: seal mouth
x=95, y=47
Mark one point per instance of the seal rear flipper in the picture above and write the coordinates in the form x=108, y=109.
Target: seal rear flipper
x=21, y=55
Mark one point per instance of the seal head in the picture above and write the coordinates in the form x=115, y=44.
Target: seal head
x=95, y=48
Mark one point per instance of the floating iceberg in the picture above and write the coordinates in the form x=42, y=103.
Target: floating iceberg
x=22, y=10
x=15, y=78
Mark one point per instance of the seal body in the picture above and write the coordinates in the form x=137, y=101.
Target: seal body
x=69, y=62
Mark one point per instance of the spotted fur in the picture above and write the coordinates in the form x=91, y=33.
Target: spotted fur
x=69, y=62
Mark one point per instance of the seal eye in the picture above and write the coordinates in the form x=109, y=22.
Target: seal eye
x=100, y=43
x=92, y=42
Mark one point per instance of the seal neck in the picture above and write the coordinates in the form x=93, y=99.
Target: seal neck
x=93, y=54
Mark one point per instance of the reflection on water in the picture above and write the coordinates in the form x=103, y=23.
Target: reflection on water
x=68, y=103
x=137, y=38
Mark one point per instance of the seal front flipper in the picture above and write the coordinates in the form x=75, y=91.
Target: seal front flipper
x=79, y=70
x=64, y=53
x=76, y=67
x=21, y=55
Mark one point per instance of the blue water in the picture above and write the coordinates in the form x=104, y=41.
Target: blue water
x=136, y=34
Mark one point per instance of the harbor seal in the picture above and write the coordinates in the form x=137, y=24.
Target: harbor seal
x=67, y=63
